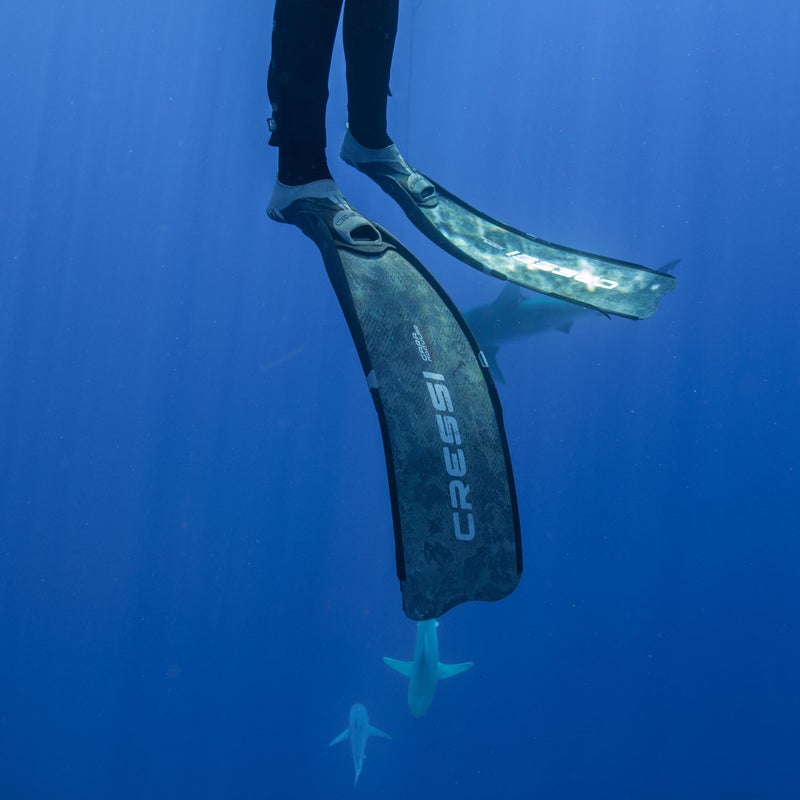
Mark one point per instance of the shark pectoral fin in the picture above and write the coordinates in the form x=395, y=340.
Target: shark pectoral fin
x=403, y=667
x=565, y=328
x=490, y=353
x=448, y=670
x=373, y=731
x=342, y=737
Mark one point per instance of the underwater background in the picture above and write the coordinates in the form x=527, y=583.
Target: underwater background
x=196, y=554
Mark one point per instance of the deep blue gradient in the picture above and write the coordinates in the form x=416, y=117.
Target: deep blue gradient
x=196, y=556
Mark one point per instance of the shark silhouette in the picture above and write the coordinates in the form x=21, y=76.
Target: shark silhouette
x=425, y=671
x=358, y=731
x=515, y=315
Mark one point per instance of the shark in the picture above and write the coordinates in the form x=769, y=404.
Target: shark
x=516, y=315
x=358, y=731
x=425, y=671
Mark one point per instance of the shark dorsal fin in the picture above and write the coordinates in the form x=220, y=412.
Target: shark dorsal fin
x=510, y=294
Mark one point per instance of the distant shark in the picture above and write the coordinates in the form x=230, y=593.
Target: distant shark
x=425, y=670
x=358, y=731
x=514, y=315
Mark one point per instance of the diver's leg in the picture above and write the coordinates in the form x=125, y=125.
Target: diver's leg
x=370, y=27
x=369, y=31
x=302, y=44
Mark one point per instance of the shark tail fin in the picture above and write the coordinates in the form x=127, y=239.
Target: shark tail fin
x=449, y=670
x=669, y=267
x=373, y=731
x=403, y=667
x=342, y=737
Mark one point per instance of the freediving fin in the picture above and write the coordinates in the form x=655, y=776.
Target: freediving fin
x=607, y=284
x=454, y=506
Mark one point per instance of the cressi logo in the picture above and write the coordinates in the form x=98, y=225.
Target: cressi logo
x=532, y=263
x=586, y=278
x=455, y=462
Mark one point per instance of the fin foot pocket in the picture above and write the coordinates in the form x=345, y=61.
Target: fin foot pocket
x=325, y=200
x=421, y=189
x=389, y=162
x=354, y=229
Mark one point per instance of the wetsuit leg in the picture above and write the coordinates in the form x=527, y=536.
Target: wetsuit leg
x=369, y=31
x=303, y=33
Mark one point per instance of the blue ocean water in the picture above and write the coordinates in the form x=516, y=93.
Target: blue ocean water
x=196, y=554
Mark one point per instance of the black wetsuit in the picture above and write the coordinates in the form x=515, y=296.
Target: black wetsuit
x=302, y=46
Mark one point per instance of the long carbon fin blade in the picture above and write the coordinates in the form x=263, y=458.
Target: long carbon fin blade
x=607, y=284
x=454, y=504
